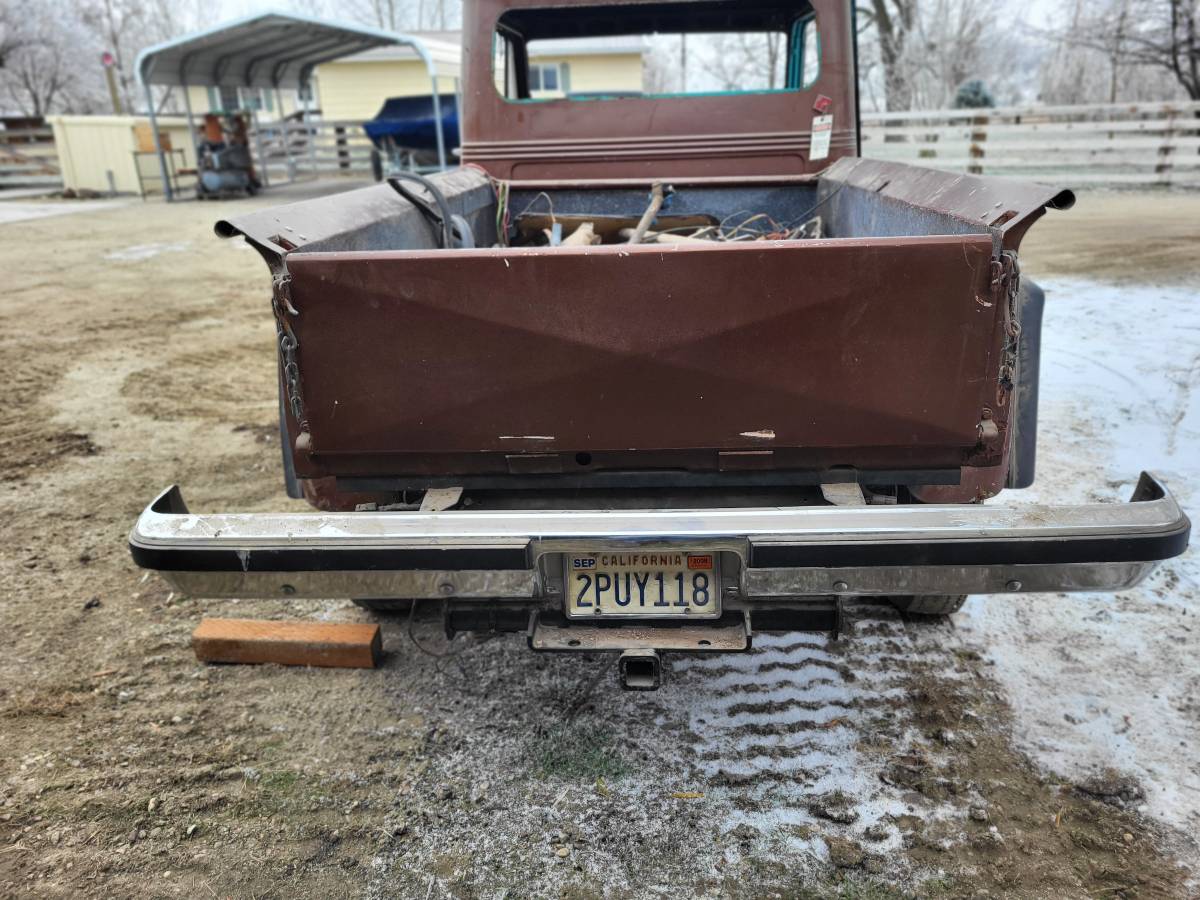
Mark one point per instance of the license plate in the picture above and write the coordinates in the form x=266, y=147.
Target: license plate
x=645, y=583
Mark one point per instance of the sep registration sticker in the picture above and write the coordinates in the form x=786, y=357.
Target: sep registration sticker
x=642, y=584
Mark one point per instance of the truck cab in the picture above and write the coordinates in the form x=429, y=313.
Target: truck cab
x=652, y=372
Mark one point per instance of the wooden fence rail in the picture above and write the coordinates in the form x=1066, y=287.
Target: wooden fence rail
x=1113, y=144
x=28, y=157
x=1110, y=144
x=318, y=147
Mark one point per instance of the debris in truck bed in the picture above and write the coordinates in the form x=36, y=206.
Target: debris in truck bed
x=539, y=228
x=608, y=227
x=584, y=235
x=658, y=196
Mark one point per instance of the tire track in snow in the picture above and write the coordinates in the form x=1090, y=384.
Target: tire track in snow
x=804, y=726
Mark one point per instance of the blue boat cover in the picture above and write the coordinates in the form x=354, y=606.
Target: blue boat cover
x=409, y=122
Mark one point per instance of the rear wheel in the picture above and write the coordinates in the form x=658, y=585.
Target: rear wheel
x=933, y=605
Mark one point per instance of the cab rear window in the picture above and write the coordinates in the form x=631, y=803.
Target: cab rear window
x=655, y=49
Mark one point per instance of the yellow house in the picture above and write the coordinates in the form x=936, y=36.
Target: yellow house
x=354, y=88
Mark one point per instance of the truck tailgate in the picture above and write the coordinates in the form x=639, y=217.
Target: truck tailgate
x=855, y=351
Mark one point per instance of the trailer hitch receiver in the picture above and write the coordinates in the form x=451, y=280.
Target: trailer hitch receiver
x=640, y=670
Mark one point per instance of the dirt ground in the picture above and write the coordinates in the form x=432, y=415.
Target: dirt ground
x=137, y=351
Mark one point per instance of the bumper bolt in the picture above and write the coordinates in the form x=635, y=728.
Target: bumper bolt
x=840, y=586
x=445, y=589
x=1013, y=585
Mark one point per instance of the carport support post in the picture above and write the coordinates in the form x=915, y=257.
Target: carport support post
x=437, y=103
x=187, y=106
x=162, y=158
x=287, y=144
x=258, y=146
x=437, y=116
x=310, y=135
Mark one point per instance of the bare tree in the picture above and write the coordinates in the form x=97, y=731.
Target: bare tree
x=747, y=60
x=44, y=73
x=380, y=13
x=15, y=28
x=1156, y=34
x=661, y=71
x=919, y=52
x=38, y=79
x=893, y=24
x=118, y=25
x=407, y=15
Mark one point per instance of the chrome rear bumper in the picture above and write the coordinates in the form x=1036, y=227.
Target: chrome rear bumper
x=771, y=553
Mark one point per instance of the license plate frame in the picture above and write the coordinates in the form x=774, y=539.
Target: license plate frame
x=685, y=574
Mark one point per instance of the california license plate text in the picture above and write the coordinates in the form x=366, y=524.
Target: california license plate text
x=642, y=584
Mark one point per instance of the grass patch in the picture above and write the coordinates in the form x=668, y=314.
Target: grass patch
x=282, y=782
x=855, y=889
x=578, y=751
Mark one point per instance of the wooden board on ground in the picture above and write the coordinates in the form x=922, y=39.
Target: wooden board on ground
x=288, y=643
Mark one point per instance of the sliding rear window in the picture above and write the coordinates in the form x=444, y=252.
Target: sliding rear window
x=656, y=49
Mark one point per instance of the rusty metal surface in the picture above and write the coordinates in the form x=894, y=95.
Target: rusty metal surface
x=867, y=352
x=730, y=635
x=869, y=196
x=760, y=133
x=370, y=218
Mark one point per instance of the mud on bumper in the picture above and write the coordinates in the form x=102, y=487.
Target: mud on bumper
x=781, y=566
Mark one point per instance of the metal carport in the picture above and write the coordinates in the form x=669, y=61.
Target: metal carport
x=271, y=50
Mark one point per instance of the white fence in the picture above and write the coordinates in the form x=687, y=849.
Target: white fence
x=1118, y=144
x=1123, y=144
x=290, y=149
x=28, y=157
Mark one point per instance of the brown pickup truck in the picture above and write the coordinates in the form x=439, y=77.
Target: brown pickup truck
x=653, y=371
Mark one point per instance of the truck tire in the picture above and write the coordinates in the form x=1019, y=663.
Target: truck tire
x=1023, y=423
x=933, y=605
x=290, y=482
x=385, y=606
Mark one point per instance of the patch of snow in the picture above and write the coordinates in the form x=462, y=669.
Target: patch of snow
x=138, y=252
x=1097, y=680
x=13, y=211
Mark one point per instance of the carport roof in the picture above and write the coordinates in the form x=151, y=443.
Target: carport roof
x=274, y=50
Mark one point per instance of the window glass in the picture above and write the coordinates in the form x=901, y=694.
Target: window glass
x=810, y=54
x=655, y=48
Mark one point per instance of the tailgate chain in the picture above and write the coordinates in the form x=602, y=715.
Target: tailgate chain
x=1006, y=286
x=281, y=300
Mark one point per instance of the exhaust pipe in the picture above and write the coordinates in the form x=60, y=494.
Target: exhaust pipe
x=640, y=670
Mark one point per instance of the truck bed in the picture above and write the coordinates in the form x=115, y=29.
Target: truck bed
x=877, y=349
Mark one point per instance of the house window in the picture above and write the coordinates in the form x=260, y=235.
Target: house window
x=233, y=99
x=256, y=99
x=549, y=78
x=223, y=99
